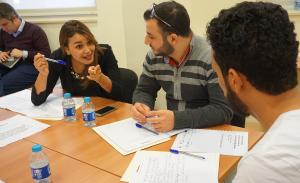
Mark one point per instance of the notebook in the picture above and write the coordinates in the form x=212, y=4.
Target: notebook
x=127, y=138
x=10, y=62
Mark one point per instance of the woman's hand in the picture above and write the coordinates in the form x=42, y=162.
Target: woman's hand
x=41, y=64
x=95, y=73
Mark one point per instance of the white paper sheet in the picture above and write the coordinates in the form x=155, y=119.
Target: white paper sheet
x=224, y=142
x=157, y=167
x=125, y=137
x=18, y=127
x=21, y=102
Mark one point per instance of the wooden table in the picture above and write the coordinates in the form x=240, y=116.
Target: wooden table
x=14, y=166
x=83, y=144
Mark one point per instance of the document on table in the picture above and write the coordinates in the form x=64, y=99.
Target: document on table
x=21, y=102
x=157, y=167
x=125, y=137
x=18, y=127
x=224, y=142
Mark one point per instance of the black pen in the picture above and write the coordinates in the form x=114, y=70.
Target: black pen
x=142, y=126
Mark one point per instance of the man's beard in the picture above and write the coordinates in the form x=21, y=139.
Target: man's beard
x=237, y=105
x=166, y=49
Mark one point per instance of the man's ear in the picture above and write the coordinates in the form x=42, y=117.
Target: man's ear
x=235, y=80
x=172, y=38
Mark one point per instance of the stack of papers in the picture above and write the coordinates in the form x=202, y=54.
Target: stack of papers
x=21, y=102
x=215, y=141
x=157, y=167
x=125, y=137
x=18, y=127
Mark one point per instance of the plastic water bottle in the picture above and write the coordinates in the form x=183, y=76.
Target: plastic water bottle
x=88, y=112
x=39, y=165
x=69, y=108
x=297, y=4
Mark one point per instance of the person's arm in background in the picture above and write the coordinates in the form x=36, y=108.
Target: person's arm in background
x=3, y=54
x=46, y=79
x=145, y=93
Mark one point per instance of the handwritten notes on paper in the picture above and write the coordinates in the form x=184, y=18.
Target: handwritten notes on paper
x=18, y=127
x=157, y=167
x=223, y=142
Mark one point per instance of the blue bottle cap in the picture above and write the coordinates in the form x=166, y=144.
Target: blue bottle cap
x=36, y=148
x=86, y=99
x=67, y=95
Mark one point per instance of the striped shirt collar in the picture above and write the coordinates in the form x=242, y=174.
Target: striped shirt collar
x=173, y=63
x=20, y=29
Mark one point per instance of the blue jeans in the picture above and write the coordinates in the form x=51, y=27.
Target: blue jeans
x=20, y=77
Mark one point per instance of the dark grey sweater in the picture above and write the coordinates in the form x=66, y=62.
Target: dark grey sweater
x=192, y=90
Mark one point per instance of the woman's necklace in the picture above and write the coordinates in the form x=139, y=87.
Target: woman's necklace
x=76, y=75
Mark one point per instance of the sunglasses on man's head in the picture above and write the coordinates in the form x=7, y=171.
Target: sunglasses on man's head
x=154, y=15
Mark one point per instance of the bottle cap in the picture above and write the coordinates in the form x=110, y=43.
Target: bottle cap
x=86, y=99
x=36, y=148
x=67, y=95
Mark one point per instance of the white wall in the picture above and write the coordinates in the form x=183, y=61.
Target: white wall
x=108, y=29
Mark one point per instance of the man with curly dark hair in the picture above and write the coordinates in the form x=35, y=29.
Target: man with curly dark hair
x=254, y=55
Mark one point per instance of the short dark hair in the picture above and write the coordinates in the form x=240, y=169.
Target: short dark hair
x=258, y=40
x=174, y=14
x=7, y=11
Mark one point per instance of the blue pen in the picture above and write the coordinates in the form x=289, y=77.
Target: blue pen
x=142, y=126
x=56, y=61
x=186, y=153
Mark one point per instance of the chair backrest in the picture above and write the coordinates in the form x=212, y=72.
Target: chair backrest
x=238, y=120
x=129, y=80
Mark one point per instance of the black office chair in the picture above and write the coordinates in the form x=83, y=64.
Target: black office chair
x=238, y=120
x=129, y=80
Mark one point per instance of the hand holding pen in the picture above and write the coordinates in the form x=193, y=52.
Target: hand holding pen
x=139, y=112
x=41, y=64
x=161, y=120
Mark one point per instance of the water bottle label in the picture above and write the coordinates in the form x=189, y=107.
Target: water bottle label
x=41, y=173
x=90, y=116
x=69, y=111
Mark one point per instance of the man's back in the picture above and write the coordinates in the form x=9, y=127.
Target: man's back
x=276, y=158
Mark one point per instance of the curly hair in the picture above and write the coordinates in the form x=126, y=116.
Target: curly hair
x=258, y=40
